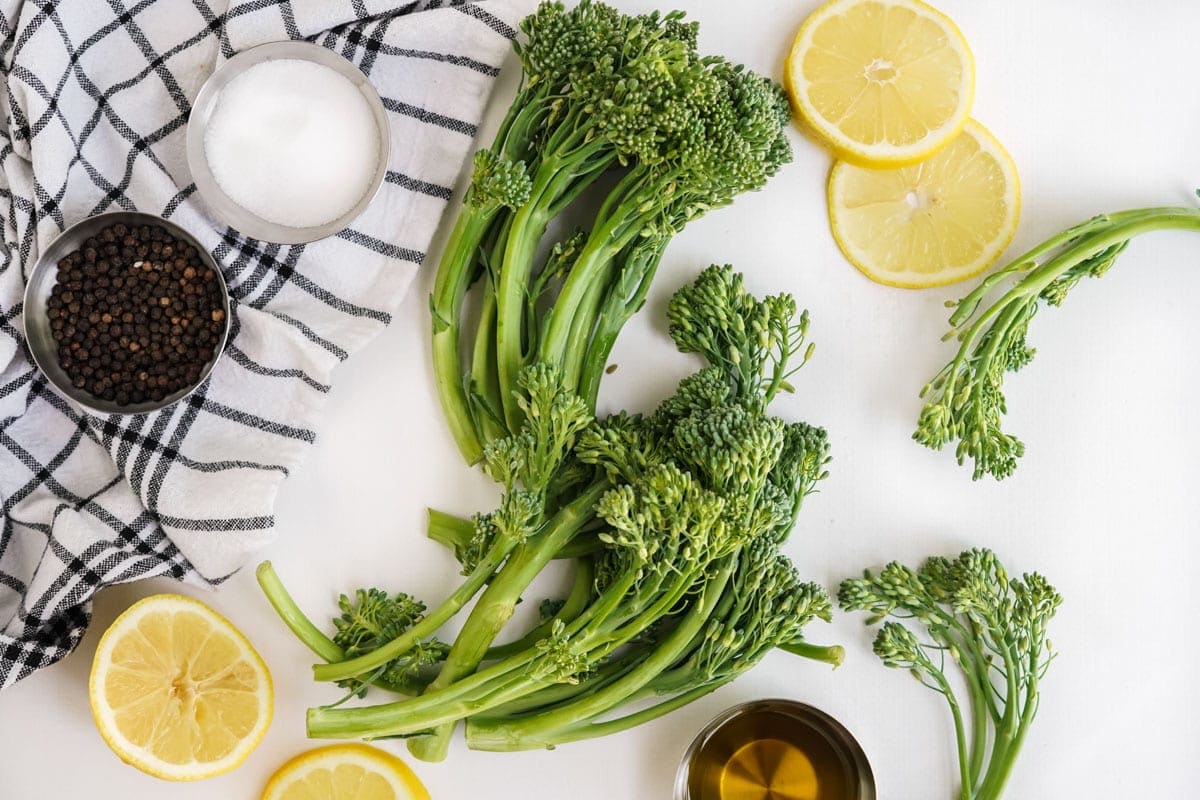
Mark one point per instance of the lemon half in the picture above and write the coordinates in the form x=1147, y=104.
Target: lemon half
x=929, y=224
x=345, y=772
x=177, y=691
x=881, y=82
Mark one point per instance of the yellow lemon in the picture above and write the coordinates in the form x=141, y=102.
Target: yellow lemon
x=177, y=691
x=929, y=224
x=345, y=772
x=881, y=82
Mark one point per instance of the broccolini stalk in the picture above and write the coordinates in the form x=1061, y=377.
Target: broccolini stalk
x=600, y=90
x=560, y=44
x=965, y=401
x=992, y=626
x=626, y=107
x=668, y=534
x=625, y=298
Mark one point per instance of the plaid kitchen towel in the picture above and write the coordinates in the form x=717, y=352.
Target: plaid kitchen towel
x=98, y=94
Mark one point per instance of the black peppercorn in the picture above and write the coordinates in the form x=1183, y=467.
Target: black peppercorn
x=120, y=311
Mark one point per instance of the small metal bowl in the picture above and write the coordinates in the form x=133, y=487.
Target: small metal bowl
x=221, y=204
x=37, y=323
x=724, y=733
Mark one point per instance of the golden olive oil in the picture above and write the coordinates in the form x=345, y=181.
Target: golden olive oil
x=768, y=755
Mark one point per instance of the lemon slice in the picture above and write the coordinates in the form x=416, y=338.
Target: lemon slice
x=933, y=223
x=345, y=772
x=177, y=691
x=881, y=82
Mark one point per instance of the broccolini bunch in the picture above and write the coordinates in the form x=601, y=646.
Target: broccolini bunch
x=674, y=520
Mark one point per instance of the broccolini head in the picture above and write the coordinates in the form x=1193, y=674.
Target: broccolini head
x=514, y=521
x=666, y=521
x=625, y=446
x=561, y=44
x=743, y=336
x=704, y=389
x=554, y=417
x=803, y=459
x=771, y=608
x=898, y=647
x=895, y=587
x=731, y=448
x=498, y=182
x=373, y=618
x=559, y=658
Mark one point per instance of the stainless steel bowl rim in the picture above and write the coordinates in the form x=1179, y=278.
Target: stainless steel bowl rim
x=802, y=712
x=219, y=204
x=45, y=273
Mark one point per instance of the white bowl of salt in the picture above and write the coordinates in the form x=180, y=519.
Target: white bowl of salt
x=287, y=142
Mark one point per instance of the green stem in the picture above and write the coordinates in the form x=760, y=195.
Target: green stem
x=455, y=274
x=482, y=735
x=960, y=734
x=449, y=529
x=498, y=602
x=571, y=164
x=484, y=690
x=1080, y=243
x=490, y=687
x=585, y=544
x=485, y=381
x=618, y=308
x=512, y=284
x=293, y=617
x=1000, y=768
x=833, y=655
x=573, y=606
x=561, y=692
x=590, y=269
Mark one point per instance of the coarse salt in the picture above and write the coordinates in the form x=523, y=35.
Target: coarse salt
x=293, y=142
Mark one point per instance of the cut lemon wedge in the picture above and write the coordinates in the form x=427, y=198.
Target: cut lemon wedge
x=881, y=82
x=177, y=691
x=930, y=224
x=345, y=772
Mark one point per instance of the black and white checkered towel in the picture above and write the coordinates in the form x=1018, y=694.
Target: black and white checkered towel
x=97, y=98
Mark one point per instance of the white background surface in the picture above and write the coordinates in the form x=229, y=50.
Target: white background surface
x=1097, y=103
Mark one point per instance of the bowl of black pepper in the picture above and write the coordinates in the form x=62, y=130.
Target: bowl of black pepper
x=126, y=313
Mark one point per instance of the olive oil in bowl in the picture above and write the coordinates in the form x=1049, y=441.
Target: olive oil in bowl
x=775, y=750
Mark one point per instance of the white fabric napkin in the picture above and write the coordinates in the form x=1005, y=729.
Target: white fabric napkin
x=98, y=95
